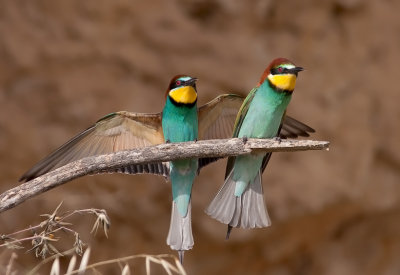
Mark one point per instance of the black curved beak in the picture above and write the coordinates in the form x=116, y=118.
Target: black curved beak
x=296, y=70
x=191, y=82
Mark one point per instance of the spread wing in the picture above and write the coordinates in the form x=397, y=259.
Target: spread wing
x=217, y=117
x=114, y=132
x=216, y=120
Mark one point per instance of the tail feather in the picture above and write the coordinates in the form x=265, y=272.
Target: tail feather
x=180, y=230
x=254, y=213
x=246, y=211
x=223, y=205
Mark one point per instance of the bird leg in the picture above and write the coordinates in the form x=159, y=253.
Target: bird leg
x=278, y=139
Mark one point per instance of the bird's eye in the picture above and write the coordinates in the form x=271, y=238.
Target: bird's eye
x=280, y=69
x=178, y=82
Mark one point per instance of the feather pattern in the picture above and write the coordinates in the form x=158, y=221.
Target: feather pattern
x=216, y=118
x=114, y=132
x=180, y=231
x=247, y=211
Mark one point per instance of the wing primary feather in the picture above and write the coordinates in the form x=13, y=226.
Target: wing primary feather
x=114, y=132
x=297, y=124
x=50, y=162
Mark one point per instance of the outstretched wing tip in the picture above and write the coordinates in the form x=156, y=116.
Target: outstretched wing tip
x=114, y=132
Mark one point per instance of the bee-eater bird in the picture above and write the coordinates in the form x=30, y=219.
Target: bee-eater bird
x=180, y=120
x=240, y=201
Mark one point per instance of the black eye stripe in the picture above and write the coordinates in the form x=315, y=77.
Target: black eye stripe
x=276, y=70
x=181, y=84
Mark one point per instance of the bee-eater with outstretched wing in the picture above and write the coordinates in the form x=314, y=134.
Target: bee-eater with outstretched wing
x=179, y=121
x=240, y=201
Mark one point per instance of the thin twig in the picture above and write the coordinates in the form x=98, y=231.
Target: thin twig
x=152, y=154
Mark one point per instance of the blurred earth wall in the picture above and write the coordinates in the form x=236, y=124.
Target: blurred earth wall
x=65, y=64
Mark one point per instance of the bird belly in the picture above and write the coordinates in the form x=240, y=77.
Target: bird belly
x=180, y=128
x=182, y=173
x=264, y=115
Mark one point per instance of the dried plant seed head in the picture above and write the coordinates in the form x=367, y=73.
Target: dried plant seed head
x=102, y=219
x=78, y=244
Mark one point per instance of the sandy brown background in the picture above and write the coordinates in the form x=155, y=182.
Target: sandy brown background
x=64, y=64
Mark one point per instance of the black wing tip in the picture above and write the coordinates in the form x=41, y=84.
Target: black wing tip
x=24, y=178
x=27, y=177
x=298, y=124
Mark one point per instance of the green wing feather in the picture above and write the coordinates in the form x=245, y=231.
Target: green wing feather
x=223, y=116
x=242, y=112
x=290, y=128
x=238, y=124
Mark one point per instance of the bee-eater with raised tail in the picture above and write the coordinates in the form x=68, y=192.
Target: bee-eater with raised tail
x=240, y=201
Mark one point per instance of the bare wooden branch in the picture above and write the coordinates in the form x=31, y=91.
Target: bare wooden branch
x=152, y=154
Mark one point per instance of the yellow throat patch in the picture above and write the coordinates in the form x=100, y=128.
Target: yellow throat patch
x=185, y=95
x=283, y=81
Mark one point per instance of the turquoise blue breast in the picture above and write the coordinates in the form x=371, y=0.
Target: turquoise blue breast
x=179, y=122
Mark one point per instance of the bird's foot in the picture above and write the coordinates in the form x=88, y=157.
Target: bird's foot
x=228, y=232
x=245, y=139
x=196, y=140
x=181, y=254
x=167, y=141
x=278, y=139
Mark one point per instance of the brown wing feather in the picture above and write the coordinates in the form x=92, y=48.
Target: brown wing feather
x=217, y=117
x=216, y=120
x=115, y=132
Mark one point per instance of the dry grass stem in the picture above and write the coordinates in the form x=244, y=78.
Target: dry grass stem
x=10, y=263
x=55, y=268
x=45, y=235
x=162, y=260
x=126, y=270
